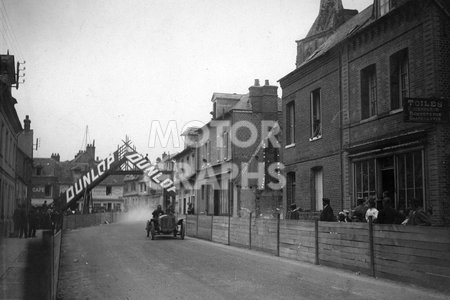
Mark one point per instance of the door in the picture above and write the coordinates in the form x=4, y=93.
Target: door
x=216, y=202
x=318, y=188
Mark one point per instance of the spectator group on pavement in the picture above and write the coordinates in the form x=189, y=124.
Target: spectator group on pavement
x=380, y=211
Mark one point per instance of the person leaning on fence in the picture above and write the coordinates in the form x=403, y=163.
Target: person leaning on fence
x=388, y=215
x=359, y=212
x=419, y=216
x=327, y=214
x=372, y=211
x=190, y=209
x=293, y=212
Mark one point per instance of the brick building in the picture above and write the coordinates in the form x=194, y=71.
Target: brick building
x=16, y=149
x=230, y=157
x=51, y=177
x=186, y=166
x=348, y=133
x=142, y=193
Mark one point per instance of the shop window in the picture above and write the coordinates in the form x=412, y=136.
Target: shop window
x=410, y=178
x=365, y=179
x=399, y=78
x=316, y=125
x=368, y=92
x=290, y=123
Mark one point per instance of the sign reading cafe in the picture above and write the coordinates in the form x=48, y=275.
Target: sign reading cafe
x=426, y=110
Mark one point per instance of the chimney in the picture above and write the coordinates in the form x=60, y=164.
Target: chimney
x=264, y=99
x=90, y=152
x=55, y=157
x=26, y=123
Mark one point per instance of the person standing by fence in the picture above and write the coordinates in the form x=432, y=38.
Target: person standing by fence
x=327, y=214
x=32, y=222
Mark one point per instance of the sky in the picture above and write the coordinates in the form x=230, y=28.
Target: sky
x=117, y=68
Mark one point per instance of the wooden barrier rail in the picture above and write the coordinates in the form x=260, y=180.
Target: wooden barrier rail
x=412, y=254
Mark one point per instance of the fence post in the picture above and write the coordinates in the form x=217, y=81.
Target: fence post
x=250, y=231
x=278, y=234
x=196, y=233
x=372, y=252
x=316, y=238
x=229, y=228
x=212, y=225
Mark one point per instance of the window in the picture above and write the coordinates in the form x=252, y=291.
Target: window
x=410, y=178
x=1, y=139
x=108, y=190
x=6, y=146
x=399, y=78
x=206, y=152
x=290, y=123
x=365, y=179
x=384, y=7
x=48, y=190
x=290, y=188
x=316, y=125
x=368, y=92
x=227, y=144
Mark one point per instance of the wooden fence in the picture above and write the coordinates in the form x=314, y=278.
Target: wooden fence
x=418, y=255
x=77, y=221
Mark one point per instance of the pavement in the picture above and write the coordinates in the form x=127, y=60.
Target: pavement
x=23, y=264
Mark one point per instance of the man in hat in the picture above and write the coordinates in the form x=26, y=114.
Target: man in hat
x=327, y=214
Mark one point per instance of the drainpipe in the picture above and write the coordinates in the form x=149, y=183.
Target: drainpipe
x=341, y=135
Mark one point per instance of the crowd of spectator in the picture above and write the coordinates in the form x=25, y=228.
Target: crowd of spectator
x=27, y=221
x=379, y=211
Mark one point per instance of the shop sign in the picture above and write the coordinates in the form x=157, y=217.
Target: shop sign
x=426, y=110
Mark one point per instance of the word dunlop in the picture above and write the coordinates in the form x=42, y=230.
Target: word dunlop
x=90, y=177
x=151, y=171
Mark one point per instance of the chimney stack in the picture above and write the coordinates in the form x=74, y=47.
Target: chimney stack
x=264, y=99
x=26, y=123
x=55, y=157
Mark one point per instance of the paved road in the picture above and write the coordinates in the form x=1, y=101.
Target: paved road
x=117, y=261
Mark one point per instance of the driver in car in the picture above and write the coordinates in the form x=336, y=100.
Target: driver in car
x=156, y=213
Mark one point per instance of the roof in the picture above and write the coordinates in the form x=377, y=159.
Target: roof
x=445, y=5
x=182, y=153
x=226, y=96
x=346, y=30
x=190, y=131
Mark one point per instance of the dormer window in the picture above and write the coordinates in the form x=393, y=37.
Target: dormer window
x=384, y=6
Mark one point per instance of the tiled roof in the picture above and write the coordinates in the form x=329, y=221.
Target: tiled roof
x=346, y=30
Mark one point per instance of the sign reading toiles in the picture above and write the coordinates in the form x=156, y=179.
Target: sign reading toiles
x=426, y=110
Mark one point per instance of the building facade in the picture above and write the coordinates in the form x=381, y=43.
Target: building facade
x=16, y=147
x=367, y=111
x=51, y=177
x=224, y=169
x=142, y=193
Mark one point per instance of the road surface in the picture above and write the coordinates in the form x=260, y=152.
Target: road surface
x=118, y=261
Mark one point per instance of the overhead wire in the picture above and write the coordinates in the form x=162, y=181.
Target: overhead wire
x=15, y=45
